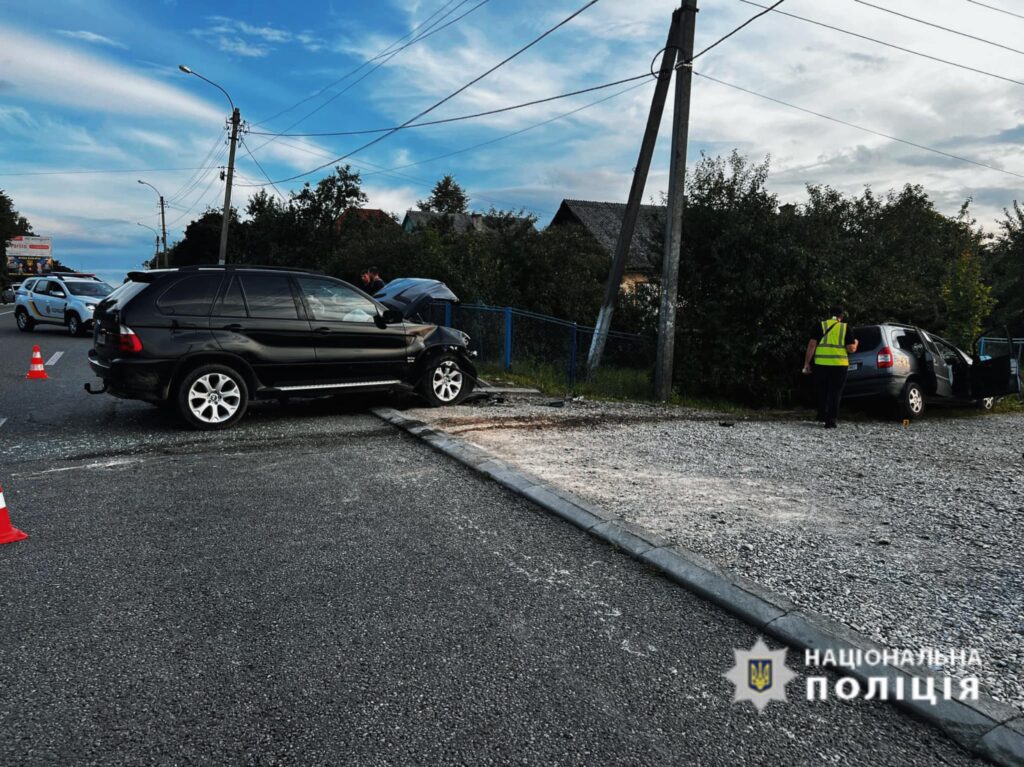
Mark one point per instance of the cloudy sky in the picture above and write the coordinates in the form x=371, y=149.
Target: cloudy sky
x=93, y=85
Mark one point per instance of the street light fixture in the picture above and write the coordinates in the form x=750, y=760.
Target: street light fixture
x=163, y=220
x=236, y=120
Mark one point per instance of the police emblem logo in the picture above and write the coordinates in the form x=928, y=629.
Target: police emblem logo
x=760, y=675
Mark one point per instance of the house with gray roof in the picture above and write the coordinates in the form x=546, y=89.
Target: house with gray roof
x=460, y=223
x=603, y=220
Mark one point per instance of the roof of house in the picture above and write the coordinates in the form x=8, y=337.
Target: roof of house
x=604, y=220
x=460, y=222
x=365, y=214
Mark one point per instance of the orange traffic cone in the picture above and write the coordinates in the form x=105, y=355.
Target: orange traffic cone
x=37, y=369
x=8, y=533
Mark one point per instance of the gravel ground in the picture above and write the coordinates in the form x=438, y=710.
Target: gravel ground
x=911, y=535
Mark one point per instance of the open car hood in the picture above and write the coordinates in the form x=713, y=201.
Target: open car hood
x=410, y=295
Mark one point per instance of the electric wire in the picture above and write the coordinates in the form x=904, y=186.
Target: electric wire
x=862, y=128
x=265, y=174
x=939, y=26
x=993, y=8
x=890, y=45
x=725, y=37
x=450, y=96
x=86, y=172
x=203, y=163
x=348, y=74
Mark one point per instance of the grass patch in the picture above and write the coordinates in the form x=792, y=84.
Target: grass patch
x=609, y=383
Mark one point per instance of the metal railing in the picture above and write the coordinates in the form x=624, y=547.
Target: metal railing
x=516, y=339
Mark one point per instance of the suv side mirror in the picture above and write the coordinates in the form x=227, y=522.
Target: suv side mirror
x=58, y=294
x=391, y=316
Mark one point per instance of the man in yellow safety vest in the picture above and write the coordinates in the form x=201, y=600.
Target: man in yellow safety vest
x=828, y=348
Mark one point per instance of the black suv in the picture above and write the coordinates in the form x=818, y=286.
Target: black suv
x=913, y=367
x=208, y=339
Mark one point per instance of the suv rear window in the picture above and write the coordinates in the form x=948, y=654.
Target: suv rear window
x=123, y=294
x=190, y=297
x=870, y=337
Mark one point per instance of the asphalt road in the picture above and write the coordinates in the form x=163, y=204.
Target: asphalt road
x=314, y=587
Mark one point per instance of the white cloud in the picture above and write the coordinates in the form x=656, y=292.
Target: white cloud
x=242, y=48
x=90, y=37
x=49, y=73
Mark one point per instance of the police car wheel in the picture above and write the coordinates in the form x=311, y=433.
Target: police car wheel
x=75, y=327
x=25, y=323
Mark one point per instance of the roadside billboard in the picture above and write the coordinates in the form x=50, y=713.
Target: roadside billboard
x=29, y=255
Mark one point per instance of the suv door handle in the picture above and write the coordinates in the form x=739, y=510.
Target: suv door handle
x=235, y=327
x=322, y=331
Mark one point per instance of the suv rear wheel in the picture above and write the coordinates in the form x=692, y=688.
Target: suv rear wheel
x=444, y=382
x=25, y=323
x=911, y=402
x=212, y=397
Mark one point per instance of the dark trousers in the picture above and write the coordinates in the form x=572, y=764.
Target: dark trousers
x=829, y=381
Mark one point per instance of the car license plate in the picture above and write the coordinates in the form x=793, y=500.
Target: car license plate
x=101, y=336
x=854, y=366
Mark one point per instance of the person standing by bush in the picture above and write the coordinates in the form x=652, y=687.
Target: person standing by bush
x=829, y=349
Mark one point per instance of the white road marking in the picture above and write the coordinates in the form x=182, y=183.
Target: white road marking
x=3, y=421
x=98, y=465
x=54, y=359
x=4, y=314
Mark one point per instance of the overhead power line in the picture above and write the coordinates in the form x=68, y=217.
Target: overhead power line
x=449, y=97
x=265, y=175
x=993, y=8
x=725, y=37
x=461, y=118
x=83, y=172
x=862, y=128
x=382, y=52
x=939, y=26
x=889, y=45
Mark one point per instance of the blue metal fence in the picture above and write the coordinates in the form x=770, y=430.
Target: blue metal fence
x=515, y=338
x=998, y=345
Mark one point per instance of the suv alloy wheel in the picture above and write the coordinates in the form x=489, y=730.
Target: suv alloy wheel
x=444, y=382
x=212, y=397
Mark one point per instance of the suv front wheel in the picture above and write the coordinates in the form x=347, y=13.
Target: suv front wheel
x=444, y=382
x=212, y=397
x=911, y=402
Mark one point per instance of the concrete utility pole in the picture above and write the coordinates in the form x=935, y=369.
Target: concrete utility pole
x=677, y=182
x=636, y=193
x=236, y=120
x=163, y=221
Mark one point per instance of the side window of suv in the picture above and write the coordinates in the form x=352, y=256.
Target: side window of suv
x=333, y=302
x=269, y=296
x=190, y=297
x=41, y=287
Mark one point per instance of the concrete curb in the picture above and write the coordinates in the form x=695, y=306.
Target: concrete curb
x=986, y=727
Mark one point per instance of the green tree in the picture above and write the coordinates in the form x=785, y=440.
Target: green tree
x=447, y=198
x=12, y=224
x=968, y=300
x=1006, y=270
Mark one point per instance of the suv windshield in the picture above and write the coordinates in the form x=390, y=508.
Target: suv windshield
x=89, y=289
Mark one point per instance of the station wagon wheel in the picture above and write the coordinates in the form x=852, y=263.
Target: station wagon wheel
x=912, y=401
x=212, y=397
x=445, y=383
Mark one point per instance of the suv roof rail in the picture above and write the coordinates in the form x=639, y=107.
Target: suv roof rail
x=232, y=267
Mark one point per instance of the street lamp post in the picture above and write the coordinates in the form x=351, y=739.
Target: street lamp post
x=163, y=220
x=156, y=243
x=236, y=121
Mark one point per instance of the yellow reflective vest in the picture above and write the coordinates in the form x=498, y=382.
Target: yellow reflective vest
x=831, y=349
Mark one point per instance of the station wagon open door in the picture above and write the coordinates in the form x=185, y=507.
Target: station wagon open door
x=995, y=371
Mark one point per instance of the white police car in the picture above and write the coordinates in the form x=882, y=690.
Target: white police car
x=59, y=299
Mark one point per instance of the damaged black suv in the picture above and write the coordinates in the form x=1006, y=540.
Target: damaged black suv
x=207, y=339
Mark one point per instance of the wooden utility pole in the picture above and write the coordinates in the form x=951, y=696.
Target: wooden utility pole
x=236, y=120
x=677, y=181
x=636, y=193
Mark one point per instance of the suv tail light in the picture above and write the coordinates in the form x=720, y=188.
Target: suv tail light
x=884, y=359
x=127, y=341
